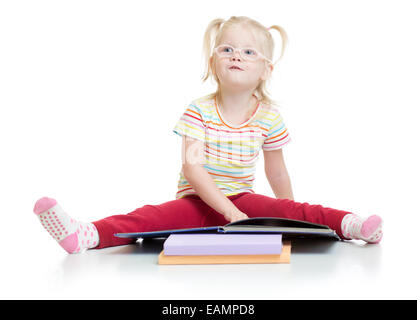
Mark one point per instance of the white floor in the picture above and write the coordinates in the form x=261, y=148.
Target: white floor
x=318, y=270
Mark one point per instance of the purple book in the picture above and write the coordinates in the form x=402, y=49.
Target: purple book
x=222, y=244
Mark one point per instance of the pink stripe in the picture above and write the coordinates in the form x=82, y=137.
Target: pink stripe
x=267, y=142
x=236, y=137
x=249, y=129
x=190, y=115
x=226, y=157
x=276, y=146
x=193, y=123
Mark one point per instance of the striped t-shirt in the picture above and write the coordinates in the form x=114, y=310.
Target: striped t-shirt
x=230, y=151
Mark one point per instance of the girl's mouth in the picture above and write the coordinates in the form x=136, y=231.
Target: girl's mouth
x=235, y=68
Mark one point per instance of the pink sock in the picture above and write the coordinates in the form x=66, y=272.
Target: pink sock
x=72, y=235
x=369, y=230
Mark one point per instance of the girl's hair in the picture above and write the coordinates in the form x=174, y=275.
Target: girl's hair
x=212, y=38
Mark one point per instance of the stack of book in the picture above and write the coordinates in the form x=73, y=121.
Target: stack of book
x=224, y=249
x=254, y=240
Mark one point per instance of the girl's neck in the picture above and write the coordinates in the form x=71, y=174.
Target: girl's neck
x=235, y=103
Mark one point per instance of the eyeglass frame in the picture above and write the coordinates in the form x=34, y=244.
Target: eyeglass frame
x=260, y=55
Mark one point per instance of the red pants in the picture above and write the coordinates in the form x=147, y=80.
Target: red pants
x=192, y=212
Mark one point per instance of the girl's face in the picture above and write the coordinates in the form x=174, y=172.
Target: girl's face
x=235, y=73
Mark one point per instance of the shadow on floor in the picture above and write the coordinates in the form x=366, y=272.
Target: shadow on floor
x=313, y=246
x=144, y=246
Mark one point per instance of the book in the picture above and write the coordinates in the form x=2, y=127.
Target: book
x=222, y=244
x=284, y=257
x=289, y=228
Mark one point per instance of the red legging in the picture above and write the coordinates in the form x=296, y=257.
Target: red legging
x=192, y=212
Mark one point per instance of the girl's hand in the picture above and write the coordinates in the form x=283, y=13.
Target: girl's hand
x=236, y=215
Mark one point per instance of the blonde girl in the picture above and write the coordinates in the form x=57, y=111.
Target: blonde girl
x=222, y=136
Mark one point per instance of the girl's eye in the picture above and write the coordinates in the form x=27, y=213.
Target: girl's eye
x=249, y=52
x=227, y=49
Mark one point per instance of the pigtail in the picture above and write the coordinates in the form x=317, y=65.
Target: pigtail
x=208, y=43
x=284, y=39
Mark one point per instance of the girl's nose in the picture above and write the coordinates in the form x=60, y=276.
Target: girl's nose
x=236, y=56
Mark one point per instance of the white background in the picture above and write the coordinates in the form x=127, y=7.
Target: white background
x=82, y=84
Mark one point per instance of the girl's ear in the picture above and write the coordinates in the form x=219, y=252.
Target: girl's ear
x=211, y=64
x=212, y=68
x=268, y=71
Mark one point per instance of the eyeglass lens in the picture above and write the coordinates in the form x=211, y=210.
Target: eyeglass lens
x=245, y=53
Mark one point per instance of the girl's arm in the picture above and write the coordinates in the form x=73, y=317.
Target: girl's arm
x=277, y=174
x=200, y=180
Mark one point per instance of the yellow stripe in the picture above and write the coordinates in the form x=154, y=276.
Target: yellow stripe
x=196, y=130
x=276, y=124
x=235, y=163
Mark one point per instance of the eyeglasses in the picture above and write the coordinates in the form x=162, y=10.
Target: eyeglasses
x=249, y=54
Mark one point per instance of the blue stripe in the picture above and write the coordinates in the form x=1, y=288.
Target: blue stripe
x=264, y=123
x=227, y=148
x=273, y=132
x=246, y=173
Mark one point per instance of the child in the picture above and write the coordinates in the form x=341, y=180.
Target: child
x=222, y=135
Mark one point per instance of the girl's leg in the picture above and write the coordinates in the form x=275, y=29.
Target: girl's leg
x=346, y=224
x=75, y=236
x=188, y=212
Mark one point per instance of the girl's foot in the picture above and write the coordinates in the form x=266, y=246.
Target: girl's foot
x=72, y=235
x=369, y=230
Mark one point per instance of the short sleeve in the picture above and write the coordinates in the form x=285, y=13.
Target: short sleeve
x=191, y=123
x=277, y=134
